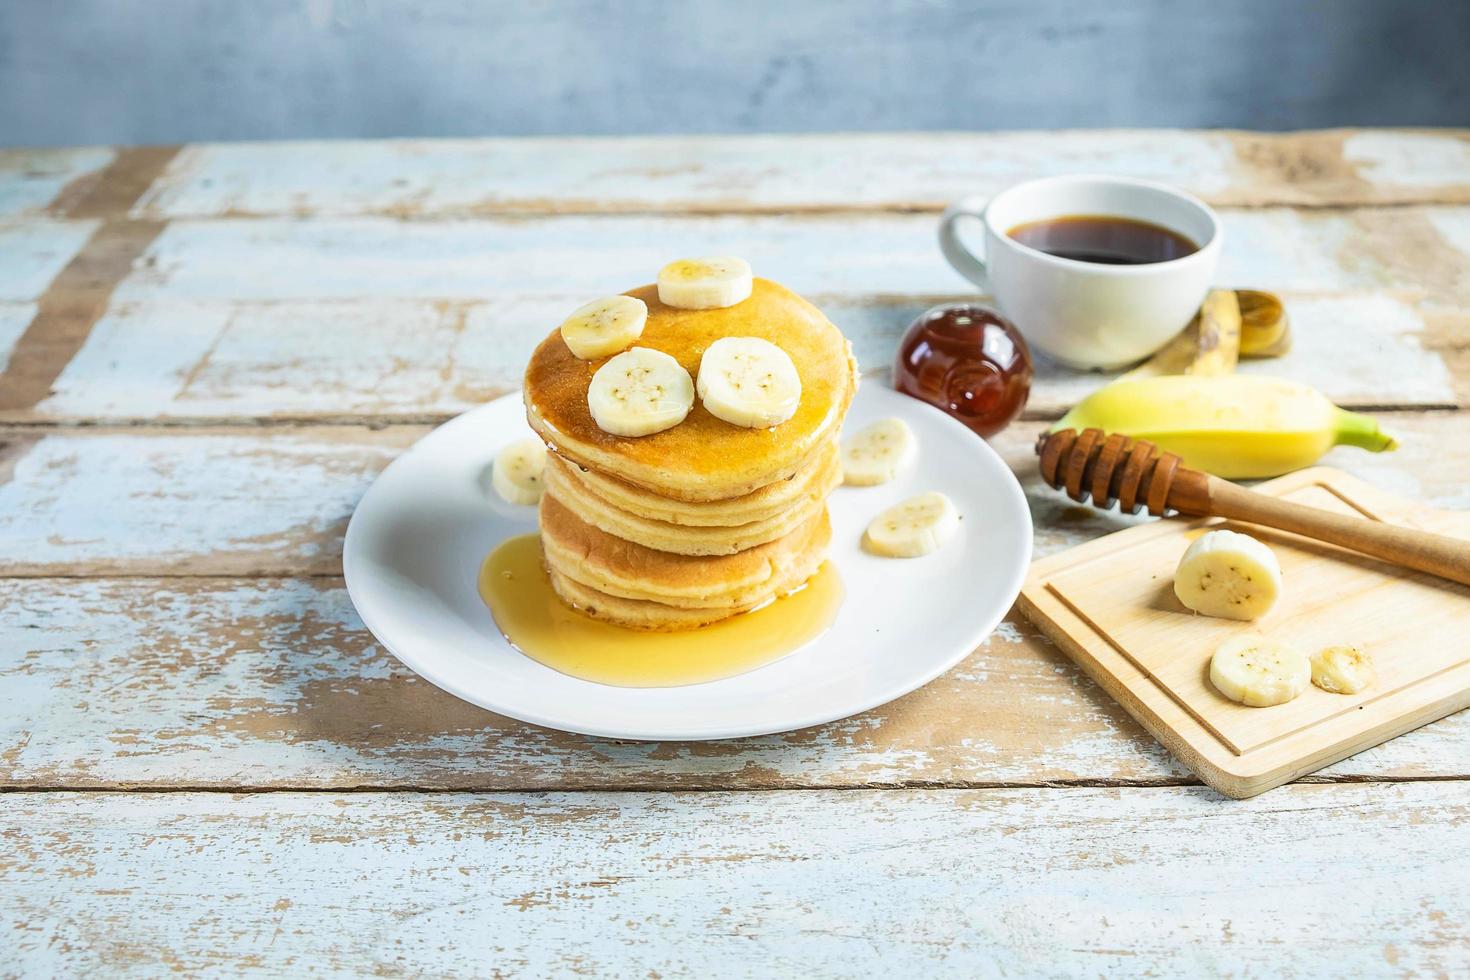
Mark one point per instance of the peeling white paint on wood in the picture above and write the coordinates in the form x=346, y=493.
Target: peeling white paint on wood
x=30, y=179
x=927, y=882
x=420, y=178
x=417, y=358
x=818, y=255
x=301, y=358
x=376, y=258
x=423, y=178
x=189, y=682
x=32, y=253
x=14, y=318
x=121, y=502
x=1404, y=159
x=1453, y=226
x=276, y=683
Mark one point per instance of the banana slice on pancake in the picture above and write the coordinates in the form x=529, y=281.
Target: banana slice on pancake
x=705, y=284
x=640, y=392
x=518, y=472
x=604, y=326
x=878, y=453
x=918, y=526
x=749, y=382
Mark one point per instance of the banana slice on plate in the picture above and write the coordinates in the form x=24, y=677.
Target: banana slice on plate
x=640, y=392
x=748, y=381
x=604, y=326
x=1343, y=670
x=878, y=453
x=517, y=473
x=918, y=526
x=704, y=284
x=1258, y=672
x=1229, y=575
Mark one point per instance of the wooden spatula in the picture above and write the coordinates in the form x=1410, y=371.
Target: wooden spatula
x=1134, y=474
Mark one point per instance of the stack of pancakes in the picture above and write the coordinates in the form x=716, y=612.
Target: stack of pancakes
x=706, y=519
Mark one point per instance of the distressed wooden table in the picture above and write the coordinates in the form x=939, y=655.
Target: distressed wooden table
x=210, y=351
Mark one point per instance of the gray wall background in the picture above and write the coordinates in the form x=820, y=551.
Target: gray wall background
x=160, y=71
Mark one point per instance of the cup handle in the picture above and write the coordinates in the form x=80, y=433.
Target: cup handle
x=965, y=262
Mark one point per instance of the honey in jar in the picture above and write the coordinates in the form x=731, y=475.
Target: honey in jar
x=969, y=361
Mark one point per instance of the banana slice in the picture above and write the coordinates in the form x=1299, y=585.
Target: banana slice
x=604, y=326
x=516, y=475
x=748, y=381
x=916, y=527
x=1343, y=670
x=640, y=392
x=1258, y=672
x=878, y=453
x=704, y=284
x=1229, y=575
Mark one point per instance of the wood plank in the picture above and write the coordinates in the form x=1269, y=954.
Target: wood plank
x=252, y=319
x=33, y=180
x=275, y=683
x=1417, y=249
x=432, y=359
x=186, y=502
x=1076, y=882
x=902, y=171
x=276, y=501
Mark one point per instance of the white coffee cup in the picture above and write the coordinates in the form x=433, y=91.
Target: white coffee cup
x=1088, y=314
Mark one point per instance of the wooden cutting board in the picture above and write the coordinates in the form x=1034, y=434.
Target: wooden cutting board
x=1110, y=605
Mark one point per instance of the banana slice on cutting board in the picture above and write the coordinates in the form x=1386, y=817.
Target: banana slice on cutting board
x=1229, y=575
x=918, y=526
x=517, y=473
x=748, y=381
x=1258, y=672
x=640, y=392
x=878, y=453
x=1343, y=670
x=704, y=284
x=604, y=326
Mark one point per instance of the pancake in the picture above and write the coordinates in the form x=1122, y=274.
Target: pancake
x=818, y=478
x=677, y=538
x=638, y=614
x=703, y=458
x=599, y=561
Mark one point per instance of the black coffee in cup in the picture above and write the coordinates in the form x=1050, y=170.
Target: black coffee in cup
x=1103, y=238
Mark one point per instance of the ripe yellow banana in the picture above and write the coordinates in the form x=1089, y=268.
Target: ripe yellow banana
x=1236, y=426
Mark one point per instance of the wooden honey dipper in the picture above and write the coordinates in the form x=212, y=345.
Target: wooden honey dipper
x=1133, y=473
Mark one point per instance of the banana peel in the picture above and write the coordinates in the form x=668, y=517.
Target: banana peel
x=1208, y=347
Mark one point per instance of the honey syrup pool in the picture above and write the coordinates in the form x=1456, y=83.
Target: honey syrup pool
x=514, y=585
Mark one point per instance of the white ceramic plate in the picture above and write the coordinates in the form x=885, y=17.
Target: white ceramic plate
x=417, y=539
